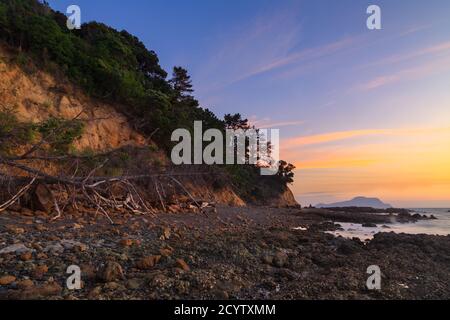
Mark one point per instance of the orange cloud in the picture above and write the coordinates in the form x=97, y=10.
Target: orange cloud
x=343, y=135
x=329, y=137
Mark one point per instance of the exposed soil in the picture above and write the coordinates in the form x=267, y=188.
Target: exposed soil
x=235, y=253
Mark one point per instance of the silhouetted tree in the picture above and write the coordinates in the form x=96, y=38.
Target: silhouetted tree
x=236, y=122
x=181, y=83
x=285, y=172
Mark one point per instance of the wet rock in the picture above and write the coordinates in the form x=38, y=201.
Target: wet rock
x=111, y=271
x=369, y=225
x=346, y=247
x=148, y=262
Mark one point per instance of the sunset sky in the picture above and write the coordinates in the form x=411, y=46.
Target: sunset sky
x=361, y=112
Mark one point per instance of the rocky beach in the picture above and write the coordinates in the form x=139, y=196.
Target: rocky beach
x=222, y=253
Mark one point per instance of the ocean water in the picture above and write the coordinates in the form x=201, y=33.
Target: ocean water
x=441, y=226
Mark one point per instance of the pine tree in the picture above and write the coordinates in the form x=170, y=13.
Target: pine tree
x=181, y=83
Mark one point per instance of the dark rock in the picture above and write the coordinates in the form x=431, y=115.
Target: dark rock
x=369, y=225
x=110, y=272
x=346, y=246
x=280, y=259
x=134, y=284
x=148, y=262
x=43, y=199
x=34, y=293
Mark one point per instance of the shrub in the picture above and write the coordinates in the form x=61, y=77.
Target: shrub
x=61, y=133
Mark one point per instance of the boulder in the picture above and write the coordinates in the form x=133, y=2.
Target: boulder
x=111, y=271
x=17, y=248
x=43, y=199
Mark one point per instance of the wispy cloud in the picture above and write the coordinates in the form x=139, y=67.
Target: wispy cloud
x=270, y=42
x=270, y=123
x=417, y=72
x=437, y=49
x=299, y=56
x=245, y=48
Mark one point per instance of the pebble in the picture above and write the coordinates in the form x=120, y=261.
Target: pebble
x=6, y=280
x=25, y=284
x=148, y=262
x=26, y=256
x=183, y=265
x=40, y=271
x=126, y=242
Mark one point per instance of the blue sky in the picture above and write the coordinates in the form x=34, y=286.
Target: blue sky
x=314, y=70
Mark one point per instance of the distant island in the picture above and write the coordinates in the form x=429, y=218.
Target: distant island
x=357, y=202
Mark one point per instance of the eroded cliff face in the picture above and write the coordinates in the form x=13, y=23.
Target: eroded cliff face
x=284, y=198
x=37, y=96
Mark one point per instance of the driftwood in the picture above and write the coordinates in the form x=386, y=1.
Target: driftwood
x=97, y=191
x=17, y=196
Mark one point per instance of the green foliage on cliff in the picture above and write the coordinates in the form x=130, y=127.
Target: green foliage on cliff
x=116, y=66
x=109, y=64
x=12, y=133
x=59, y=133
